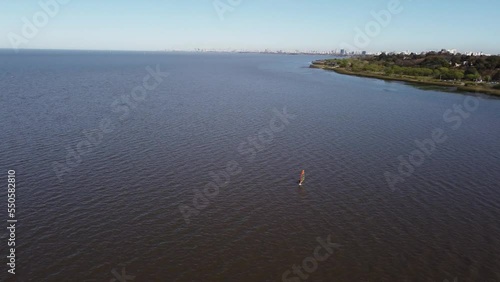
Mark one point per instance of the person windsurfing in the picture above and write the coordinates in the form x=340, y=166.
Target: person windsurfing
x=302, y=177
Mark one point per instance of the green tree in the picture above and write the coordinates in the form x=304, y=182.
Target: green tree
x=457, y=74
x=496, y=76
x=443, y=73
x=382, y=56
x=434, y=62
x=456, y=59
x=472, y=76
x=471, y=70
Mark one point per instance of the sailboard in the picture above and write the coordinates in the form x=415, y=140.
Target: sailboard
x=302, y=177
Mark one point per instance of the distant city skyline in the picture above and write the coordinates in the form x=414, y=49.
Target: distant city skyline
x=322, y=25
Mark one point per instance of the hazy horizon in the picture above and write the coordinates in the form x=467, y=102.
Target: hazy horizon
x=381, y=25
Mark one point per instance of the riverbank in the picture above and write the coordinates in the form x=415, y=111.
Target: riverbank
x=458, y=85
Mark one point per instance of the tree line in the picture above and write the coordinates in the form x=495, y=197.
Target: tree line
x=439, y=65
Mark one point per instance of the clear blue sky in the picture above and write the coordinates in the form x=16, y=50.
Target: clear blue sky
x=256, y=24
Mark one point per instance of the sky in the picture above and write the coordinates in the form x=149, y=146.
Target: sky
x=416, y=26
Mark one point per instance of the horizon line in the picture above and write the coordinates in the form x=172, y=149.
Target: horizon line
x=230, y=50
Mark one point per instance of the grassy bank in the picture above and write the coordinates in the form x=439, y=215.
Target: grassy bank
x=333, y=65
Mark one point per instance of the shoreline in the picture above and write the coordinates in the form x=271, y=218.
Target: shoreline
x=458, y=86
